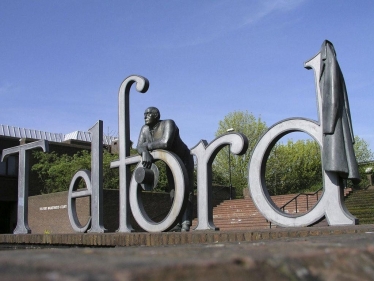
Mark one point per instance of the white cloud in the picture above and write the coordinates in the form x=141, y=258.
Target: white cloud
x=209, y=22
x=268, y=7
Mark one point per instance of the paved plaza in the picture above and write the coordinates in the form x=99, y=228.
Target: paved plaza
x=327, y=253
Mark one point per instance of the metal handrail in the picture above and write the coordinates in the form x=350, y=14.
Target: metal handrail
x=295, y=199
x=307, y=199
x=216, y=191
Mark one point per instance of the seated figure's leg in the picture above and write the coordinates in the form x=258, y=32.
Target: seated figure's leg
x=171, y=189
x=186, y=219
x=187, y=215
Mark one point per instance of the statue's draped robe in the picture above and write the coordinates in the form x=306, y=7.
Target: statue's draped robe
x=338, y=139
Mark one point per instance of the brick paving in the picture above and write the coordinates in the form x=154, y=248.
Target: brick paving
x=313, y=253
x=173, y=238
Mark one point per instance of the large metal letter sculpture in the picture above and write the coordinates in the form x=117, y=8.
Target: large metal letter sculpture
x=129, y=194
x=205, y=155
x=331, y=204
x=180, y=181
x=142, y=86
x=23, y=181
x=94, y=184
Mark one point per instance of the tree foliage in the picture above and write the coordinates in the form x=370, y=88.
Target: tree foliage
x=56, y=171
x=247, y=124
x=362, y=150
x=364, y=157
x=294, y=167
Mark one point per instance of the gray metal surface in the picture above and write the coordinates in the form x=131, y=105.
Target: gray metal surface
x=23, y=152
x=164, y=134
x=331, y=203
x=97, y=178
x=147, y=178
x=205, y=154
x=180, y=181
x=94, y=184
x=338, y=153
x=73, y=194
x=142, y=85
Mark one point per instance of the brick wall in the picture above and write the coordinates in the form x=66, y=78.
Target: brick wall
x=49, y=213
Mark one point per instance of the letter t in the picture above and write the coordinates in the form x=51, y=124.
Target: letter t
x=23, y=181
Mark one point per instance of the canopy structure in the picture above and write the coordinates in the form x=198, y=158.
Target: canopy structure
x=17, y=132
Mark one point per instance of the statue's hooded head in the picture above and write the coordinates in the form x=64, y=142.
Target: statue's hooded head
x=151, y=116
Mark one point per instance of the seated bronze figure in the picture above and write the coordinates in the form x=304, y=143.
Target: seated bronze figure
x=164, y=134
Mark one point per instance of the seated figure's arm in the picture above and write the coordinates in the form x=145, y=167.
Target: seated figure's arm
x=166, y=141
x=142, y=149
x=142, y=142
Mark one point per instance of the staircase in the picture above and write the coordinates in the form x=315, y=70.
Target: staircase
x=243, y=214
x=361, y=204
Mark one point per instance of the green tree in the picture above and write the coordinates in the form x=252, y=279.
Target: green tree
x=364, y=157
x=291, y=167
x=362, y=150
x=294, y=167
x=56, y=171
x=247, y=124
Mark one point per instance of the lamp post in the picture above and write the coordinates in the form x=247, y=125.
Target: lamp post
x=230, y=184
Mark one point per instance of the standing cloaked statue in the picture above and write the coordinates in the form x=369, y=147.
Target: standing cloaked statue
x=338, y=139
x=164, y=134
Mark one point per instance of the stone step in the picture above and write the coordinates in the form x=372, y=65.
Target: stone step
x=235, y=208
x=240, y=225
x=366, y=220
x=359, y=206
x=243, y=214
x=360, y=195
x=355, y=202
x=362, y=211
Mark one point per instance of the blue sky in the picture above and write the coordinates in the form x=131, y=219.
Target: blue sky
x=62, y=62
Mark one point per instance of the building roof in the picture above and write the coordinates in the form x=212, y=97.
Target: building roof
x=17, y=132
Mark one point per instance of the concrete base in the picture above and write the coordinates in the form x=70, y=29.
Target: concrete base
x=318, y=253
x=174, y=238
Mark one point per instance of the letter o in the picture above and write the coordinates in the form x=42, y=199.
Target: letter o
x=181, y=181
